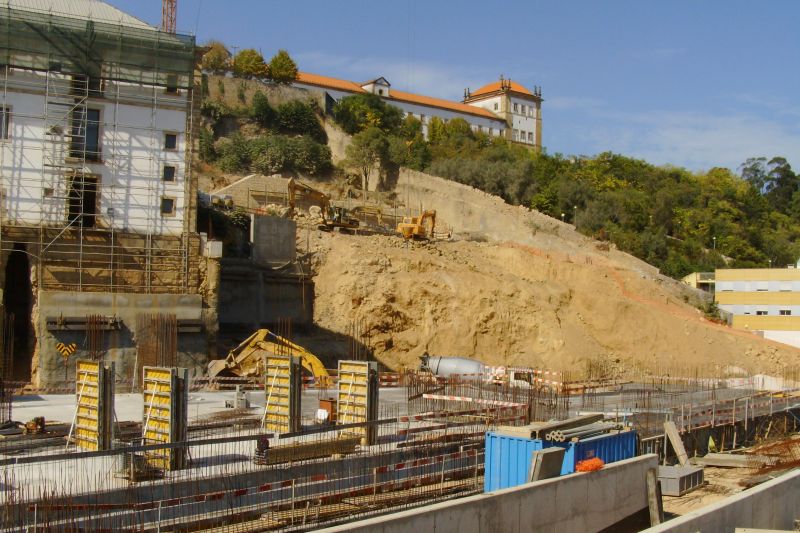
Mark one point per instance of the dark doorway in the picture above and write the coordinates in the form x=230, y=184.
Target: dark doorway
x=17, y=299
x=82, y=206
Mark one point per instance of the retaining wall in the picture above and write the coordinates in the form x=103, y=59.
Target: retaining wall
x=771, y=505
x=574, y=503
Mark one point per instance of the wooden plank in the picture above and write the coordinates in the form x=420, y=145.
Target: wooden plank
x=729, y=460
x=677, y=444
x=654, y=501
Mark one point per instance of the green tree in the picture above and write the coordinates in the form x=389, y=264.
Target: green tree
x=249, y=63
x=361, y=111
x=217, y=59
x=282, y=68
x=366, y=151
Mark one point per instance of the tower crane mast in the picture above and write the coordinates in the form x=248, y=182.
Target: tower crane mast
x=169, y=9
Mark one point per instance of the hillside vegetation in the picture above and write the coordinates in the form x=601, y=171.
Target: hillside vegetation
x=675, y=219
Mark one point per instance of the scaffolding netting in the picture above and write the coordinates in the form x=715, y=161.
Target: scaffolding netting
x=44, y=41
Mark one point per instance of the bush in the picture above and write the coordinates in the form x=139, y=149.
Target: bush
x=213, y=110
x=233, y=153
x=277, y=153
x=206, y=144
x=299, y=118
x=262, y=112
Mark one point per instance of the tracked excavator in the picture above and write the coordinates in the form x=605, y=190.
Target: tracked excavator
x=333, y=217
x=420, y=227
x=246, y=360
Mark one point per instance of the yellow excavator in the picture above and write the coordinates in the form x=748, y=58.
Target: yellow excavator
x=332, y=216
x=246, y=360
x=420, y=227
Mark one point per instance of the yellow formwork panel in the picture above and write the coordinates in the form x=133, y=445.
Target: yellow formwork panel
x=351, y=404
x=277, y=388
x=86, y=424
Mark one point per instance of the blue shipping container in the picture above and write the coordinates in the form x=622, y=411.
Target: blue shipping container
x=508, y=459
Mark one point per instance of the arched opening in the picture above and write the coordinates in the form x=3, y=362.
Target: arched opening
x=18, y=299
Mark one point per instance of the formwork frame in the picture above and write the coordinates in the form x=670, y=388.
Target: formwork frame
x=357, y=398
x=92, y=426
x=282, y=389
x=73, y=63
x=165, y=394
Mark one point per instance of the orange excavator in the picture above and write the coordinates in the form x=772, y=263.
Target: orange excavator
x=420, y=227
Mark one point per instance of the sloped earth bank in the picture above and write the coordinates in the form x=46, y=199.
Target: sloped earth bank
x=529, y=292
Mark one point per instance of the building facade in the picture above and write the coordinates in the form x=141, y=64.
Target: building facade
x=766, y=300
x=500, y=109
x=97, y=221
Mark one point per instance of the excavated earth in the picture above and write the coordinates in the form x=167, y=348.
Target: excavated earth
x=526, y=291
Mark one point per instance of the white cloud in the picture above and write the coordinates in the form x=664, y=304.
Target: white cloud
x=694, y=140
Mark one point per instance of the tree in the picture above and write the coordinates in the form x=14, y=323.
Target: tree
x=361, y=111
x=217, y=59
x=367, y=149
x=298, y=117
x=282, y=68
x=250, y=64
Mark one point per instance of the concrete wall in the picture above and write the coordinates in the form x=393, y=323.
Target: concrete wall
x=574, y=503
x=256, y=190
x=273, y=239
x=251, y=296
x=771, y=505
x=119, y=344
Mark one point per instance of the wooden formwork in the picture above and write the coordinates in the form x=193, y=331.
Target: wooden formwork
x=282, y=389
x=165, y=416
x=357, y=398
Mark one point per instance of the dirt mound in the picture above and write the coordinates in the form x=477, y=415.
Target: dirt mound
x=547, y=298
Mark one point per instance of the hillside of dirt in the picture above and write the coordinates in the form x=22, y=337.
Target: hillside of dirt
x=515, y=287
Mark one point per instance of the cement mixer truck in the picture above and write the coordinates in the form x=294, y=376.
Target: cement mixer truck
x=472, y=370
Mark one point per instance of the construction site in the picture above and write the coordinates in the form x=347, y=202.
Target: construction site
x=420, y=355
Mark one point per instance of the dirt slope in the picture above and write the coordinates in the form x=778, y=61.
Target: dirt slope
x=546, y=297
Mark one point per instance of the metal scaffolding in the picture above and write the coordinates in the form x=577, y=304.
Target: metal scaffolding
x=77, y=65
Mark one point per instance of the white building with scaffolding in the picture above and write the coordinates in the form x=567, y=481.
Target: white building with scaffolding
x=97, y=193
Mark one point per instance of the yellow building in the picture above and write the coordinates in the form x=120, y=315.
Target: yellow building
x=766, y=300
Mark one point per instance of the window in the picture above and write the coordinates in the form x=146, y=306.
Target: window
x=83, y=85
x=170, y=141
x=85, y=138
x=516, y=135
x=530, y=136
x=5, y=122
x=761, y=313
x=516, y=108
x=495, y=106
x=785, y=312
x=380, y=92
x=761, y=290
x=522, y=108
x=82, y=200
x=172, y=84
x=491, y=131
x=167, y=205
x=169, y=173
x=530, y=111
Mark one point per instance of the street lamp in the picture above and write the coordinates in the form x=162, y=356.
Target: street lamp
x=575, y=216
x=715, y=242
x=562, y=217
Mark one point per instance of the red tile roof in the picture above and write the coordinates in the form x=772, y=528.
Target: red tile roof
x=496, y=86
x=350, y=86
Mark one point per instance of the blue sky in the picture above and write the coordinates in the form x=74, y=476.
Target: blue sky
x=693, y=84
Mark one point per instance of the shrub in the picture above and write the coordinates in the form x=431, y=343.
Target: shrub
x=262, y=112
x=361, y=111
x=234, y=153
x=206, y=144
x=298, y=117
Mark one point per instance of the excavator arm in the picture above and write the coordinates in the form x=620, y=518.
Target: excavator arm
x=246, y=360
